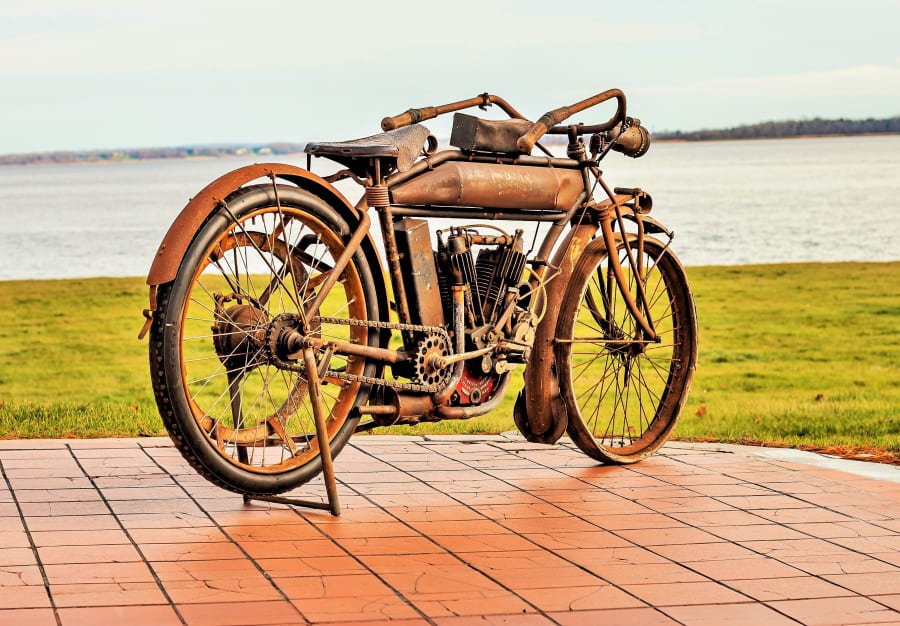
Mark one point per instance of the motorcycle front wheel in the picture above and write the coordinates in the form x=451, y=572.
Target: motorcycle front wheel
x=624, y=391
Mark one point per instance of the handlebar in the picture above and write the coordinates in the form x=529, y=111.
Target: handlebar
x=552, y=118
x=414, y=116
x=526, y=142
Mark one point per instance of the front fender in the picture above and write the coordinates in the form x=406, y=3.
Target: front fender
x=540, y=412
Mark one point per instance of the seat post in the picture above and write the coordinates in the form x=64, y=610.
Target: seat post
x=378, y=198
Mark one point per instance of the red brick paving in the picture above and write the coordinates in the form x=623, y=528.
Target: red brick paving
x=450, y=532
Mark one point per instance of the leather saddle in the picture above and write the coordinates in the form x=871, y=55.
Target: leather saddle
x=403, y=145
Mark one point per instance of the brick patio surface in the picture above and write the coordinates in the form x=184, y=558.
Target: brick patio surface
x=450, y=531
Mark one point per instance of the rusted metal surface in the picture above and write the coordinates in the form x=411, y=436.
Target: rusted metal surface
x=322, y=437
x=393, y=259
x=632, y=139
x=414, y=116
x=492, y=186
x=548, y=120
x=473, y=302
x=541, y=424
x=355, y=349
x=181, y=232
x=419, y=272
x=401, y=406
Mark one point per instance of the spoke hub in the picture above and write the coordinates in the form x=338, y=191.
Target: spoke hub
x=238, y=335
x=285, y=340
x=627, y=349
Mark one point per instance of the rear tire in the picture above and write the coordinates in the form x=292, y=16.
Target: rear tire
x=235, y=404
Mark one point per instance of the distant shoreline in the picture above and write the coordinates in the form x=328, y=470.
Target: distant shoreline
x=29, y=160
x=667, y=139
x=803, y=129
x=816, y=127
x=96, y=161
x=127, y=155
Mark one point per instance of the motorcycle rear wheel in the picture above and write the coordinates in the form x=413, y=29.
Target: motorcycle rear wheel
x=233, y=400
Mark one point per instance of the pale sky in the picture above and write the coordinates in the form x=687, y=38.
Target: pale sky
x=86, y=74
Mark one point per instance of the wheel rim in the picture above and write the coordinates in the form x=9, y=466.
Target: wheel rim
x=253, y=411
x=624, y=389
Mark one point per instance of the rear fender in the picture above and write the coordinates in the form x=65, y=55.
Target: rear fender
x=182, y=231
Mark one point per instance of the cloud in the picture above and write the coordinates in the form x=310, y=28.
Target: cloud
x=100, y=36
x=856, y=92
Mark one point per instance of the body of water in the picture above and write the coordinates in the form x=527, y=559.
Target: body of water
x=730, y=202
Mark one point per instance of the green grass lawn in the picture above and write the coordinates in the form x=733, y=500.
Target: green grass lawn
x=800, y=355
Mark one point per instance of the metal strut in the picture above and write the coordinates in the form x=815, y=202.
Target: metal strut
x=333, y=504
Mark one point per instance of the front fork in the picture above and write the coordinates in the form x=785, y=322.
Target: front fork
x=540, y=413
x=637, y=306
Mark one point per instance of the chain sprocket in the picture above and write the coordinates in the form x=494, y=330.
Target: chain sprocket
x=435, y=333
x=274, y=345
x=433, y=348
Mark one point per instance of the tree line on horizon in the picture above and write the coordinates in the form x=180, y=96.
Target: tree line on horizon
x=129, y=154
x=763, y=130
x=790, y=128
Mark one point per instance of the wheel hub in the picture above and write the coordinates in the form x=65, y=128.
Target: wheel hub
x=284, y=340
x=238, y=336
x=627, y=349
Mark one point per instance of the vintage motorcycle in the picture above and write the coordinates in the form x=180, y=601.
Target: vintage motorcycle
x=274, y=326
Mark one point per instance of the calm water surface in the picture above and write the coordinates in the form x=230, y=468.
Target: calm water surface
x=821, y=199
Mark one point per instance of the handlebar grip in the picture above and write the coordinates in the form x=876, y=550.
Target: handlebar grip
x=409, y=117
x=548, y=120
x=538, y=129
x=397, y=121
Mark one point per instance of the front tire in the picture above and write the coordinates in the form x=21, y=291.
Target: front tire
x=623, y=392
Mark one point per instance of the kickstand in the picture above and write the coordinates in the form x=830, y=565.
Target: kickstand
x=333, y=505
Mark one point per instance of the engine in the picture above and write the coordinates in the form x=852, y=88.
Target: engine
x=497, y=326
x=492, y=266
x=493, y=275
x=495, y=322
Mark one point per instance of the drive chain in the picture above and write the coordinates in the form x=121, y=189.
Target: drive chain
x=372, y=380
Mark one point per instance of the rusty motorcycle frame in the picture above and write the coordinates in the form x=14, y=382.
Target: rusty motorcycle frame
x=274, y=325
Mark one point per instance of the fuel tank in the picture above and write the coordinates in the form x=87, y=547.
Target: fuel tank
x=491, y=185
